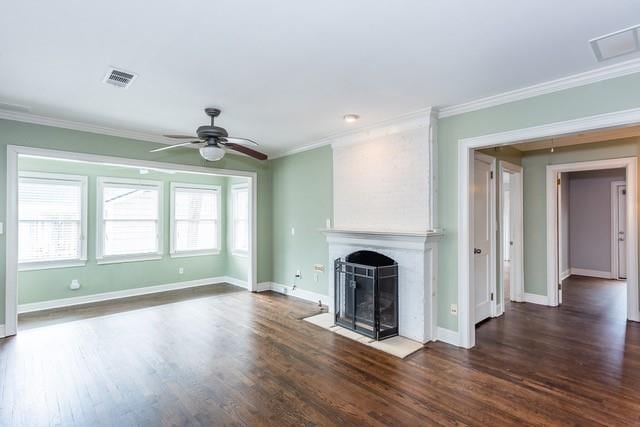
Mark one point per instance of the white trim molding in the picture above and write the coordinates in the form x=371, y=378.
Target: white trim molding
x=466, y=146
x=448, y=336
x=536, y=299
x=581, y=79
x=11, y=235
x=127, y=293
x=591, y=273
x=294, y=292
x=2, y=332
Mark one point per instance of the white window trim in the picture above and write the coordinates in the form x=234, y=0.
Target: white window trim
x=113, y=259
x=63, y=263
x=183, y=254
x=234, y=251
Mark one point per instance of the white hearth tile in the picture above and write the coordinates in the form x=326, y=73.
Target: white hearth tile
x=397, y=346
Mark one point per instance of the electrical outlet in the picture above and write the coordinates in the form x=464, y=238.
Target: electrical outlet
x=181, y=270
x=318, y=268
x=327, y=223
x=293, y=231
x=298, y=274
x=74, y=285
x=453, y=309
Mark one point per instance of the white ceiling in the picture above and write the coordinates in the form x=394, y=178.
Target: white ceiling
x=285, y=72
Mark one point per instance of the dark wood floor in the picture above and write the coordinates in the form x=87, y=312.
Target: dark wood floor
x=220, y=356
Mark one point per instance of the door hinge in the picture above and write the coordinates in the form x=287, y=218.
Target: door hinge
x=491, y=174
x=559, y=286
x=624, y=192
x=491, y=296
x=558, y=181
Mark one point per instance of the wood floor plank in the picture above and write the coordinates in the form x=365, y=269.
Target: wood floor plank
x=218, y=355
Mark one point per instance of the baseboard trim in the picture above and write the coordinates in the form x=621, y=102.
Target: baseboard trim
x=536, y=299
x=2, y=332
x=565, y=274
x=297, y=292
x=448, y=336
x=236, y=282
x=591, y=273
x=106, y=296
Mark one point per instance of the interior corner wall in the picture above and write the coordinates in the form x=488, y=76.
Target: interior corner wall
x=302, y=204
x=606, y=96
x=30, y=135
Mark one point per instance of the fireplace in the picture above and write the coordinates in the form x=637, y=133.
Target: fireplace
x=366, y=294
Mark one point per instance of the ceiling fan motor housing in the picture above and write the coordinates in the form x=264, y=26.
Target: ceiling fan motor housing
x=206, y=132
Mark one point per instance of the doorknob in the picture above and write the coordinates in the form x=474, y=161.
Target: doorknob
x=477, y=251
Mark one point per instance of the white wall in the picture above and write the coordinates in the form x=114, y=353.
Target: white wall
x=590, y=218
x=381, y=184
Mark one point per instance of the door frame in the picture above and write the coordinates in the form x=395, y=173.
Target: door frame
x=11, y=229
x=615, y=273
x=630, y=166
x=516, y=208
x=466, y=334
x=492, y=230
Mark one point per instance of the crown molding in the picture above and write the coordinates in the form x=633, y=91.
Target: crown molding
x=417, y=119
x=581, y=79
x=18, y=116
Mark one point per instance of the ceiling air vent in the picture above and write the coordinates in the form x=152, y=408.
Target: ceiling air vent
x=616, y=44
x=119, y=78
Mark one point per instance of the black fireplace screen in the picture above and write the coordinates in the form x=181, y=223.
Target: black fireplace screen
x=366, y=294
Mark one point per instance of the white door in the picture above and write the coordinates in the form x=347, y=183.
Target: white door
x=622, y=224
x=482, y=235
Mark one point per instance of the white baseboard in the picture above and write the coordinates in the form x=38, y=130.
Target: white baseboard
x=235, y=282
x=2, y=332
x=591, y=273
x=536, y=299
x=448, y=336
x=298, y=292
x=105, y=296
x=565, y=274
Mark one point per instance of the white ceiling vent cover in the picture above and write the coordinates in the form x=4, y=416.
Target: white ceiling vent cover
x=119, y=78
x=613, y=45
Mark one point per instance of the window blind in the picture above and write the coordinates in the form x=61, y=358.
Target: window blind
x=195, y=219
x=240, y=209
x=49, y=219
x=130, y=215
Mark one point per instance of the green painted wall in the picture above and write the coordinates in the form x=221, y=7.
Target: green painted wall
x=16, y=133
x=302, y=199
x=50, y=284
x=237, y=266
x=534, y=170
x=602, y=97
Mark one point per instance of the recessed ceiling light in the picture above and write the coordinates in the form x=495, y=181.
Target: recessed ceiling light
x=350, y=118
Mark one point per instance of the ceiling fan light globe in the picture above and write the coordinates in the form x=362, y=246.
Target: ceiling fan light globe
x=211, y=153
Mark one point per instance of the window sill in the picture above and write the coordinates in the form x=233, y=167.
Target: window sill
x=242, y=254
x=47, y=265
x=194, y=253
x=129, y=258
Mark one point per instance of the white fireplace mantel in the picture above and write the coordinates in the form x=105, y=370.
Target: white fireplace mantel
x=416, y=255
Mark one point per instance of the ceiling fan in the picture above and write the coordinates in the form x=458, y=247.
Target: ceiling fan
x=214, y=141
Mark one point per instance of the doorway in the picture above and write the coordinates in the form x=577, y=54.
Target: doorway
x=625, y=245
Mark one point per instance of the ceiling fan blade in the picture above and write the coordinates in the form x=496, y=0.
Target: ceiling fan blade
x=246, y=150
x=169, y=147
x=241, y=139
x=180, y=136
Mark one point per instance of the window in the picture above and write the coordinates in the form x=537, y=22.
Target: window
x=195, y=225
x=129, y=220
x=240, y=219
x=52, y=220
